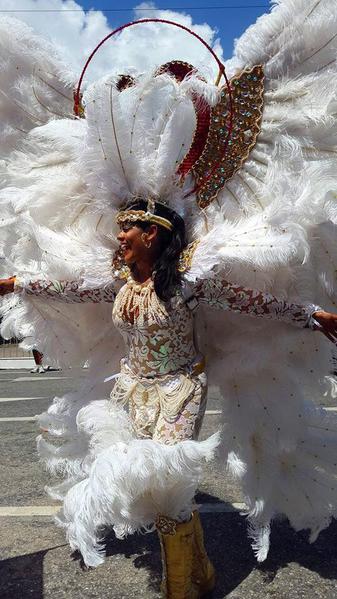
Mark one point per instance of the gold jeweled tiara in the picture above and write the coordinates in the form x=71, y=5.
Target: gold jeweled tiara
x=126, y=216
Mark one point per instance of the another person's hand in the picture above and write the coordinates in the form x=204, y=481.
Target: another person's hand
x=328, y=324
x=7, y=285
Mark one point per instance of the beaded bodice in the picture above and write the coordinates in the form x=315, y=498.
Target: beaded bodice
x=158, y=335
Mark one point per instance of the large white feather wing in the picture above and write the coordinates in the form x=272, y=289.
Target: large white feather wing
x=297, y=45
x=274, y=227
x=35, y=86
x=49, y=228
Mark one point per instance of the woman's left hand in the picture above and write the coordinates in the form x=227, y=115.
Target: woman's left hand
x=328, y=322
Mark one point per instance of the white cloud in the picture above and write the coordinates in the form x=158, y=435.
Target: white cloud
x=75, y=34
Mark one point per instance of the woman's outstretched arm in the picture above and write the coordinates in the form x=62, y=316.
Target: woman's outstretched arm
x=224, y=295
x=65, y=291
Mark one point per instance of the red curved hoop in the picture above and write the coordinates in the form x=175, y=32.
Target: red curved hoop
x=77, y=95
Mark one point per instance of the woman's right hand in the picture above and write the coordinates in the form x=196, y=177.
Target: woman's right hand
x=7, y=285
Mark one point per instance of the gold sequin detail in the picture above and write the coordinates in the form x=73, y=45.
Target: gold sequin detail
x=186, y=256
x=166, y=525
x=229, y=154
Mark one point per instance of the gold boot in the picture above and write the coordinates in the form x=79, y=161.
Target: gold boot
x=176, y=541
x=203, y=573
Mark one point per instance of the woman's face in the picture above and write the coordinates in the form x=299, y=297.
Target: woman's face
x=131, y=239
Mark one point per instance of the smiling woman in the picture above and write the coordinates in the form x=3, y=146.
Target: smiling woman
x=176, y=211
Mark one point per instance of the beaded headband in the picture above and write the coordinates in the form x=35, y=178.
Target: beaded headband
x=129, y=216
x=147, y=216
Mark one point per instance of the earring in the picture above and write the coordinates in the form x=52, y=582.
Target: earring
x=145, y=240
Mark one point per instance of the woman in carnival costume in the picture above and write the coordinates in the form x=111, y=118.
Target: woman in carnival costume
x=211, y=203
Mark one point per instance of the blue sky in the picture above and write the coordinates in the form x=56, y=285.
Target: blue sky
x=230, y=23
x=75, y=31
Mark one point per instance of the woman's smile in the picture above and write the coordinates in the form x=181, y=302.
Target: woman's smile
x=126, y=239
x=124, y=246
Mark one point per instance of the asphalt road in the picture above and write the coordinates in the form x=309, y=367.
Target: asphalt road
x=37, y=563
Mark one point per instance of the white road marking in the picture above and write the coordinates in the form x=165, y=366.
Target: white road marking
x=4, y=399
x=333, y=409
x=9, y=364
x=24, y=379
x=29, y=510
x=19, y=419
x=51, y=510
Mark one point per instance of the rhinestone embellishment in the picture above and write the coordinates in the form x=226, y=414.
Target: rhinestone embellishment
x=226, y=150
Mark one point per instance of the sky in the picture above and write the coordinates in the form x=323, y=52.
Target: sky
x=77, y=26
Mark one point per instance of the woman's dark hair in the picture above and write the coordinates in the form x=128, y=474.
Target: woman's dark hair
x=171, y=243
